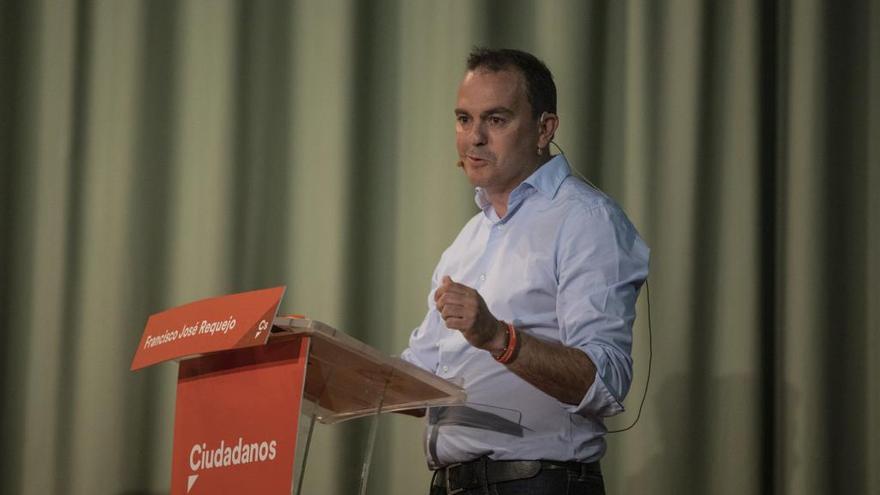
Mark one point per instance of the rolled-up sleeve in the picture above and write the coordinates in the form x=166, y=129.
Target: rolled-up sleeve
x=601, y=265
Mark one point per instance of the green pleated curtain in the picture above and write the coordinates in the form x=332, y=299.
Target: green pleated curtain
x=157, y=152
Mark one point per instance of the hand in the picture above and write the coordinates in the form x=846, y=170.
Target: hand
x=463, y=309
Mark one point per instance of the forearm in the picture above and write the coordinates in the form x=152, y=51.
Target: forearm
x=562, y=372
x=559, y=371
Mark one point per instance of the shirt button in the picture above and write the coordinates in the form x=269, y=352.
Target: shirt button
x=482, y=277
x=445, y=369
x=501, y=226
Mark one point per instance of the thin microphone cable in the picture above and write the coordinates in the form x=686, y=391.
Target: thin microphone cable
x=650, y=332
x=650, y=359
x=579, y=174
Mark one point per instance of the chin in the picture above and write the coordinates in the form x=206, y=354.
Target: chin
x=477, y=180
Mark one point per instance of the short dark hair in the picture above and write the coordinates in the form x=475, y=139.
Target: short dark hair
x=540, y=88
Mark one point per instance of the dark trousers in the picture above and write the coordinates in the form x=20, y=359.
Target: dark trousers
x=480, y=478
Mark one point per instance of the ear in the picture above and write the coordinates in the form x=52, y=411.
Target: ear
x=547, y=126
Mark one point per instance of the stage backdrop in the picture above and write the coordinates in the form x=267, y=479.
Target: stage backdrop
x=156, y=152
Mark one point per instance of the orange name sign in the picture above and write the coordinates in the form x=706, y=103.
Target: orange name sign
x=209, y=325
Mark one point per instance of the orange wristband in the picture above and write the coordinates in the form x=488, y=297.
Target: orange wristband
x=507, y=355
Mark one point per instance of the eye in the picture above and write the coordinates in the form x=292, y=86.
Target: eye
x=462, y=119
x=497, y=121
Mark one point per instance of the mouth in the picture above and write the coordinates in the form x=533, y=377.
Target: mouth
x=476, y=160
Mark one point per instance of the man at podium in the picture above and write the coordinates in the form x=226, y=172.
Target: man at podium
x=532, y=305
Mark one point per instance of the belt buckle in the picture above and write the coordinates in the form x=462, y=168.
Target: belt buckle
x=450, y=491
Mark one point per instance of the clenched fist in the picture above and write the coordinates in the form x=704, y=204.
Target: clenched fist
x=463, y=309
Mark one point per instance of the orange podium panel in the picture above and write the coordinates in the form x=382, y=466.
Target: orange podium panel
x=236, y=420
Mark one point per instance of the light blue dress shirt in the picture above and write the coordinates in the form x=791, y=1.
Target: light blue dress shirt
x=564, y=265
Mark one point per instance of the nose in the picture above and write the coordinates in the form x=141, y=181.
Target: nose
x=478, y=133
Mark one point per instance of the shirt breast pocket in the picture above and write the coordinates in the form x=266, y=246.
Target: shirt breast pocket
x=526, y=283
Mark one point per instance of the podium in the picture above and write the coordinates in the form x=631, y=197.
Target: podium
x=248, y=390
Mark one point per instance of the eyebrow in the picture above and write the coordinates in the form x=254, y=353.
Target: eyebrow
x=491, y=111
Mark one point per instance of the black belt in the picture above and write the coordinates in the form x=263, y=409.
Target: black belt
x=457, y=478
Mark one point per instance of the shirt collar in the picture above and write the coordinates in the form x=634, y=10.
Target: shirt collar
x=549, y=176
x=546, y=180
